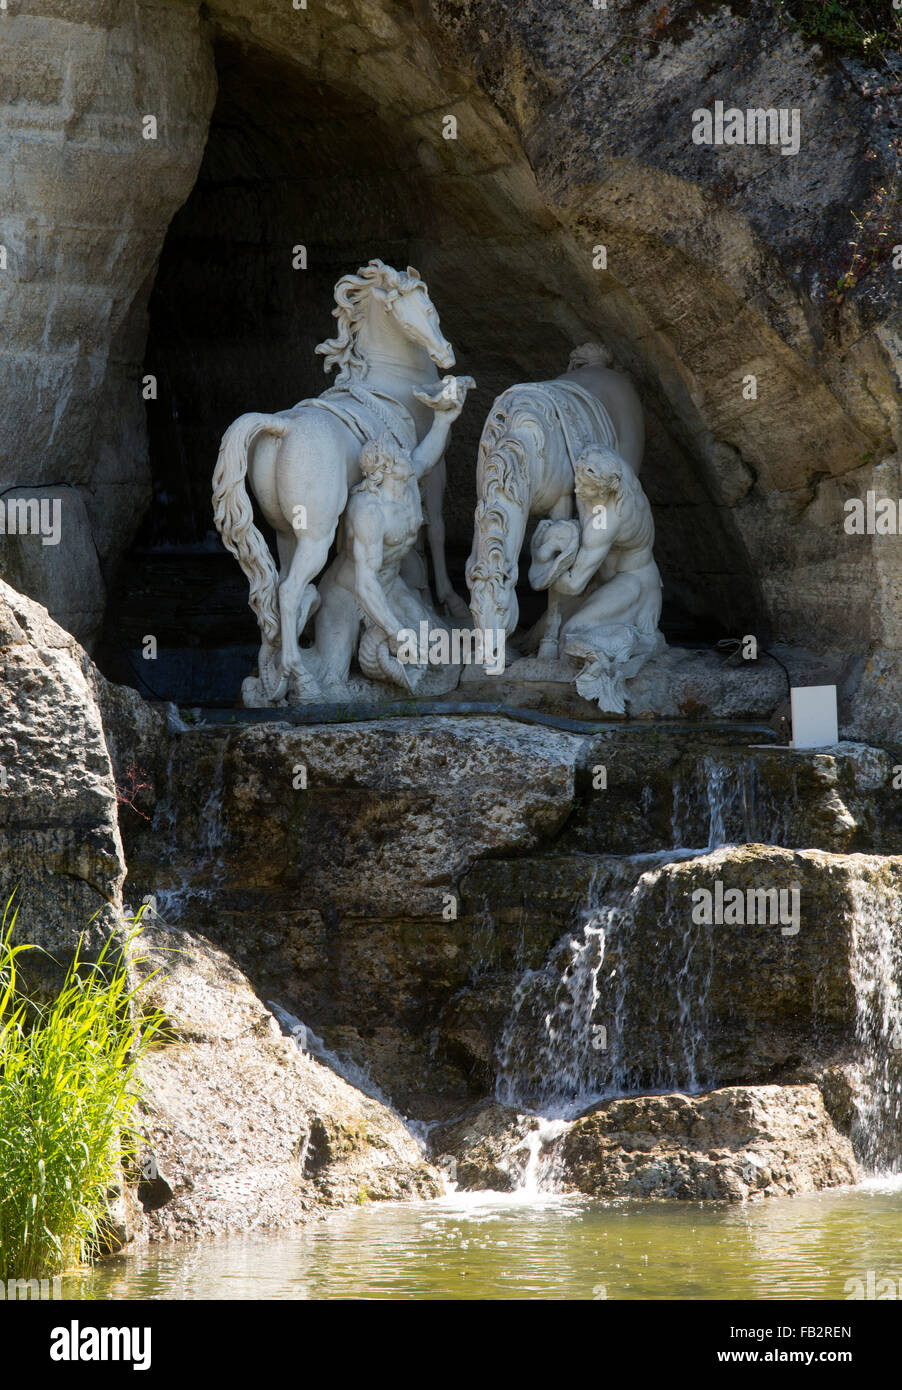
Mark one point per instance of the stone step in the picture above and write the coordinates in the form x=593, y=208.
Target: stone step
x=667, y=791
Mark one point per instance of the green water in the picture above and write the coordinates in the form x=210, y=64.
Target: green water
x=493, y=1247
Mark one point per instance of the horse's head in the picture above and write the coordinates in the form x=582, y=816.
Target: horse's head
x=491, y=580
x=415, y=316
x=399, y=300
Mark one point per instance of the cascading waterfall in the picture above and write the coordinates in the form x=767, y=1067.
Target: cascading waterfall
x=620, y=1005
x=689, y=1070
x=717, y=782
x=876, y=972
x=571, y=1037
x=569, y=1040
x=562, y=998
x=721, y=804
x=207, y=857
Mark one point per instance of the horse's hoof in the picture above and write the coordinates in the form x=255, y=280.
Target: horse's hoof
x=280, y=691
x=302, y=688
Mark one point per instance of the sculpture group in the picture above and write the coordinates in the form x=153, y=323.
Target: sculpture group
x=352, y=482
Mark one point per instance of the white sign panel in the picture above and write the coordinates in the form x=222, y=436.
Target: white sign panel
x=814, y=718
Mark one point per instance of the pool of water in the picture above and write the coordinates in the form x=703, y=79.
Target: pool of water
x=484, y=1246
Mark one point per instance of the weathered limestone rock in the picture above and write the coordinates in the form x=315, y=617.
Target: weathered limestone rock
x=685, y=1004
x=59, y=834
x=667, y=788
x=87, y=199
x=740, y=1143
x=488, y=1149
x=64, y=575
x=737, y=1144
x=232, y=1106
x=355, y=837
x=395, y=902
x=250, y=1132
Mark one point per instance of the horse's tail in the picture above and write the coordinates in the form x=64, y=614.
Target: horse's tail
x=502, y=488
x=234, y=517
x=376, y=661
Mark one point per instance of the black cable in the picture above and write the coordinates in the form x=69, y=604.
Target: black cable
x=155, y=693
x=734, y=643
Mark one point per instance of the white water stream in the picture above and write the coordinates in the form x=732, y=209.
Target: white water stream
x=561, y=1053
x=876, y=972
x=566, y=1042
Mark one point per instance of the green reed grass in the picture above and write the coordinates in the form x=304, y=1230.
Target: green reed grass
x=67, y=1096
x=868, y=28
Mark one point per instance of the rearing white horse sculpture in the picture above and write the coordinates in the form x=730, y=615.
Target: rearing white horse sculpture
x=303, y=461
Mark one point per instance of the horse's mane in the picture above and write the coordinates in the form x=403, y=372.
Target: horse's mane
x=351, y=297
x=502, y=472
x=522, y=421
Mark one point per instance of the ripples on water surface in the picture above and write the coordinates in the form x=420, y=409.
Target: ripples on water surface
x=482, y=1246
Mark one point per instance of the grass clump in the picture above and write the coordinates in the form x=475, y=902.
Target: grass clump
x=67, y=1097
x=870, y=28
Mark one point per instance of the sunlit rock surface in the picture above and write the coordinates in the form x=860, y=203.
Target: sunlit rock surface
x=460, y=906
x=244, y=1130
x=250, y=1132
x=60, y=849
x=741, y=1143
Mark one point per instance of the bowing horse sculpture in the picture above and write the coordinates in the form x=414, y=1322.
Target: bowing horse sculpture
x=531, y=441
x=302, y=462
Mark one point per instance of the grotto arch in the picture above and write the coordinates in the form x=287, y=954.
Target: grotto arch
x=292, y=160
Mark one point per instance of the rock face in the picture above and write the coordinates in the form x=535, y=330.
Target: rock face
x=639, y=964
x=59, y=833
x=87, y=202
x=739, y=1143
x=574, y=135
x=684, y=788
x=422, y=895
x=462, y=907
x=246, y=1131
x=60, y=567
x=355, y=837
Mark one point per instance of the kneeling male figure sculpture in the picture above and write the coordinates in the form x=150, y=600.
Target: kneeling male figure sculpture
x=379, y=527
x=616, y=629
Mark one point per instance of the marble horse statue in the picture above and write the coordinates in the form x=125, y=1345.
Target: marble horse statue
x=301, y=463
x=527, y=464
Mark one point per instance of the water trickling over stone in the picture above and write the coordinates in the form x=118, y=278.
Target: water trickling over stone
x=572, y=1034
x=876, y=973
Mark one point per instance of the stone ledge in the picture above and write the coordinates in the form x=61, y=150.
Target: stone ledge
x=740, y=1143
